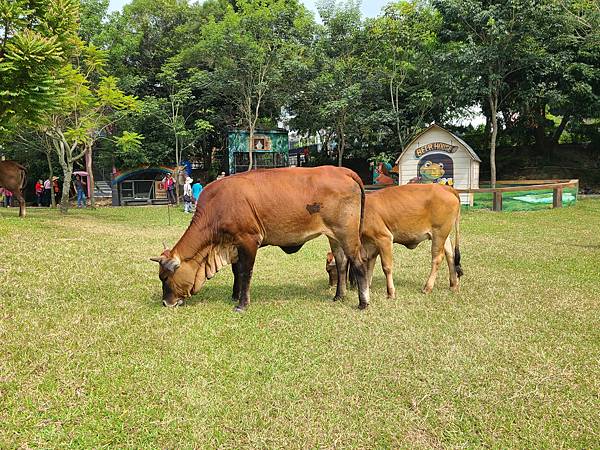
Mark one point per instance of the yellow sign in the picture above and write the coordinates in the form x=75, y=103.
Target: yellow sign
x=435, y=147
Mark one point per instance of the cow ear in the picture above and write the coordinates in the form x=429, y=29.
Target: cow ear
x=158, y=260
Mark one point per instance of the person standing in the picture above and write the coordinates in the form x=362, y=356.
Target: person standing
x=80, y=186
x=8, y=195
x=39, y=192
x=169, y=183
x=47, y=192
x=196, y=189
x=187, y=195
x=56, y=190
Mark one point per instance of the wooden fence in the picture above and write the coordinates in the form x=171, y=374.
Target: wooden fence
x=557, y=187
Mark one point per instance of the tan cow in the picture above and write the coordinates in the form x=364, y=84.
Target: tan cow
x=408, y=215
x=13, y=176
x=284, y=207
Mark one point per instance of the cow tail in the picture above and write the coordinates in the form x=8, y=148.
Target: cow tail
x=23, y=178
x=358, y=181
x=457, y=267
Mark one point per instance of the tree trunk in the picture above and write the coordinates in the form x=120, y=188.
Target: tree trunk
x=559, y=131
x=493, y=99
x=89, y=170
x=176, y=174
x=539, y=132
x=64, y=199
x=250, y=144
x=50, y=175
x=341, y=146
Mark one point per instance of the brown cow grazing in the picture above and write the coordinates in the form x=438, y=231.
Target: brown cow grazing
x=13, y=176
x=284, y=207
x=408, y=215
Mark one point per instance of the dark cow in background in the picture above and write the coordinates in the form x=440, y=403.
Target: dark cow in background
x=285, y=207
x=13, y=176
x=408, y=215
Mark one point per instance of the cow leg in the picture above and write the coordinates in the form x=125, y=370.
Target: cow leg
x=359, y=266
x=341, y=263
x=371, y=267
x=386, y=250
x=246, y=257
x=451, y=268
x=235, y=296
x=21, y=199
x=437, y=255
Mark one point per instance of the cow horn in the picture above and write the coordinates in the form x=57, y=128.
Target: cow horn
x=165, y=246
x=158, y=260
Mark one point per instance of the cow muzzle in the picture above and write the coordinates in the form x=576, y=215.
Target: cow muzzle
x=176, y=302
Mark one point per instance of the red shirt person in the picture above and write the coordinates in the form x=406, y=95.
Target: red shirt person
x=39, y=192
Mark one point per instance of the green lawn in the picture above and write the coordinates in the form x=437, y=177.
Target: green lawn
x=89, y=358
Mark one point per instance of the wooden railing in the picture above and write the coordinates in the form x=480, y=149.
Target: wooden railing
x=557, y=187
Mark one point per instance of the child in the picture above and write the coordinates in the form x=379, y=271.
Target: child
x=8, y=195
x=187, y=195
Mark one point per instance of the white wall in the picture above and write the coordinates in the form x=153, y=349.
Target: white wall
x=466, y=170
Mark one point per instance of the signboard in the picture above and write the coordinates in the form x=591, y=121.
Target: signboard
x=159, y=190
x=435, y=147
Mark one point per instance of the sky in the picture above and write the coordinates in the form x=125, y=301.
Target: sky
x=370, y=8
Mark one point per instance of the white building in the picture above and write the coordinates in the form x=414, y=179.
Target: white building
x=438, y=156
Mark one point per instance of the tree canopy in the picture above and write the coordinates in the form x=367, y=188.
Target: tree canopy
x=365, y=86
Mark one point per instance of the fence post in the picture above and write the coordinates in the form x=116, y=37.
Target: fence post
x=497, y=203
x=557, y=194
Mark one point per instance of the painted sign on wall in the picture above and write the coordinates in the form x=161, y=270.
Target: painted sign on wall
x=435, y=147
x=435, y=168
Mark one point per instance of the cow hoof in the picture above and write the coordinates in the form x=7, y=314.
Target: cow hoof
x=426, y=290
x=455, y=289
x=362, y=306
x=338, y=297
x=239, y=309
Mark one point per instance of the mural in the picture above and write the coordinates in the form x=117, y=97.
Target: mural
x=384, y=173
x=435, y=168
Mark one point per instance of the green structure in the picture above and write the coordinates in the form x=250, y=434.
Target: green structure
x=270, y=149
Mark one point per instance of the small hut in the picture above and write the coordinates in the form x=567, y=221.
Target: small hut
x=270, y=148
x=438, y=156
x=140, y=186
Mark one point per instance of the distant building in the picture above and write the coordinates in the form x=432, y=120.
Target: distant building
x=270, y=149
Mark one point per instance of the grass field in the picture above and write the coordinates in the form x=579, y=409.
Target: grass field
x=89, y=358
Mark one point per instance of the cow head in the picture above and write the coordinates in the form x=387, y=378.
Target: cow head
x=181, y=279
x=177, y=278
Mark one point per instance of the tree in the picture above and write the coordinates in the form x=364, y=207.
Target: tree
x=401, y=47
x=248, y=51
x=35, y=38
x=331, y=79
x=178, y=110
x=494, y=41
x=92, y=16
x=90, y=104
